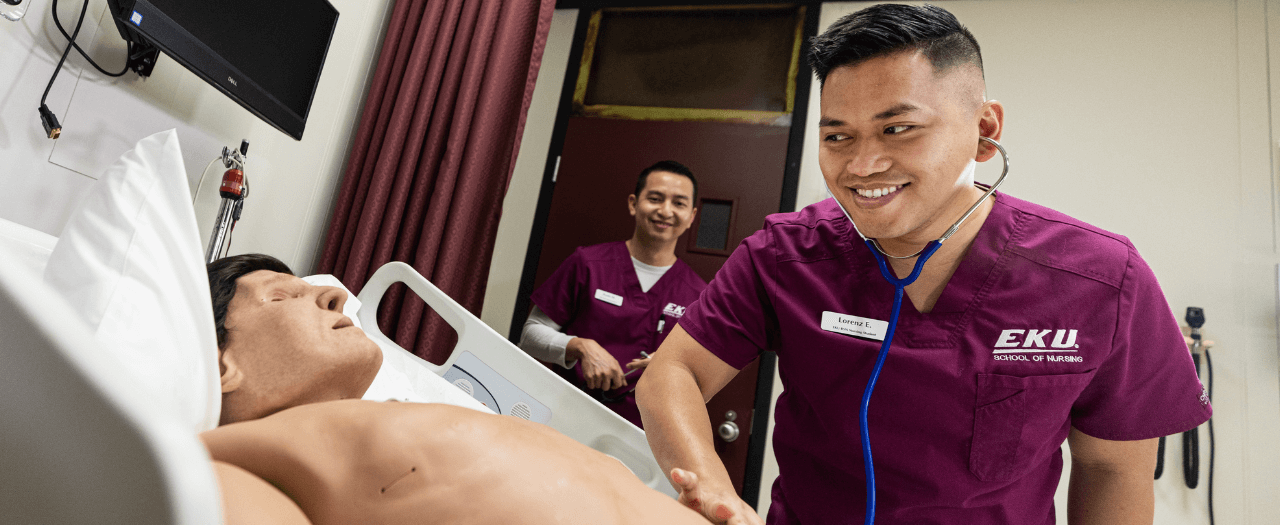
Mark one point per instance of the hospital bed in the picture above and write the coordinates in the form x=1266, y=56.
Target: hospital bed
x=80, y=442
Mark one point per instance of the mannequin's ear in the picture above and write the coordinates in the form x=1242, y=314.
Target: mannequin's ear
x=232, y=375
x=990, y=125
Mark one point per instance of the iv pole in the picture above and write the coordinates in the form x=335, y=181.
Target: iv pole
x=233, y=190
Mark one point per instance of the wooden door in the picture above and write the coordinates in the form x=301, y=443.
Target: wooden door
x=714, y=88
x=737, y=165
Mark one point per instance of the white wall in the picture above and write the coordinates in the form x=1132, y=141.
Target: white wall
x=518, y=207
x=293, y=182
x=1150, y=118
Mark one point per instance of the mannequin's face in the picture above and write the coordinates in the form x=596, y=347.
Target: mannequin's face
x=293, y=345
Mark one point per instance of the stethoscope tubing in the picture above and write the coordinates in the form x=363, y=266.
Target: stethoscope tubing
x=899, y=286
x=899, y=289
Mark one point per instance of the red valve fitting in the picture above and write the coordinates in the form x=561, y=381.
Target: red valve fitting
x=232, y=184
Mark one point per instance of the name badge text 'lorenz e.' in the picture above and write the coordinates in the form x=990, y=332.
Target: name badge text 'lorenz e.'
x=611, y=298
x=853, y=325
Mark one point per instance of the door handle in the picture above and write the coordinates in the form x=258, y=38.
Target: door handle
x=728, y=430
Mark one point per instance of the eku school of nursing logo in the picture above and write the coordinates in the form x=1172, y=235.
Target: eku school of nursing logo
x=1037, y=345
x=673, y=310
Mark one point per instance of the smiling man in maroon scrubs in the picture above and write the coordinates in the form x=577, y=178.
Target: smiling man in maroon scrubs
x=1026, y=329
x=614, y=303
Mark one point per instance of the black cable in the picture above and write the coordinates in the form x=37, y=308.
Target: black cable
x=1191, y=443
x=52, y=128
x=1160, y=458
x=47, y=119
x=66, y=51
x=235, y=215
x=1209, y=363
x=71, y=38
x=226, y=247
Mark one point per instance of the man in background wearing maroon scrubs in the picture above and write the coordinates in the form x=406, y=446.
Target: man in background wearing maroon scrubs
x=614, y=303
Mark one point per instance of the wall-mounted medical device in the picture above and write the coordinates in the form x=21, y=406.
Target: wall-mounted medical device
x=265, y=55
x=1191, y=438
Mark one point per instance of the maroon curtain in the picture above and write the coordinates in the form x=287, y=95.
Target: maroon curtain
x=433, y=156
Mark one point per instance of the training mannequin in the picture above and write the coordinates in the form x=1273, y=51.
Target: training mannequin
x=370, y=462
x=297, y=446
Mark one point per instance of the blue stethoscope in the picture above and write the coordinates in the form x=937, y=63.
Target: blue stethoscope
x=899, y=285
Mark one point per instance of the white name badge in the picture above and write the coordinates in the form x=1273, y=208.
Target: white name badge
x=613, y=299
x=854, y=325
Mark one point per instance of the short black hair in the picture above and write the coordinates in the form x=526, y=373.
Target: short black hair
x=222, y=283
x=885, y=29
x=669, y=166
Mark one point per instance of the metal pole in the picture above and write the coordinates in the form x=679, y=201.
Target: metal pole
x=219, y=235
x=233, y=191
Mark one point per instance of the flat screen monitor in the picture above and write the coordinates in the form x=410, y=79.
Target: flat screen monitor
x=266, y=55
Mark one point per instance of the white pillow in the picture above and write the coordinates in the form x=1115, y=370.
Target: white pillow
x=131, y=264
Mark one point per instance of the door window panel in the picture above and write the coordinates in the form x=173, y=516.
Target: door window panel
x=734, y=64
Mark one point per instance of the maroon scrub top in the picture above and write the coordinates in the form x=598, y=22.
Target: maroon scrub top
x=582, y=296
x=1047, y=323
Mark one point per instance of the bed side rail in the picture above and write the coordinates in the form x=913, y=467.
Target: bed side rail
x=572, y=412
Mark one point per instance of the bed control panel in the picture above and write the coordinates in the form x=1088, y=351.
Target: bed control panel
x=474, y=377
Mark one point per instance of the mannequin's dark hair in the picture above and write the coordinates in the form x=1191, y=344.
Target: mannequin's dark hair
x=222, y=283
x=885, y=29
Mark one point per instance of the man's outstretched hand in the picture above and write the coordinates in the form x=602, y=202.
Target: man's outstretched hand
x=638, y=363
x=718, y=505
